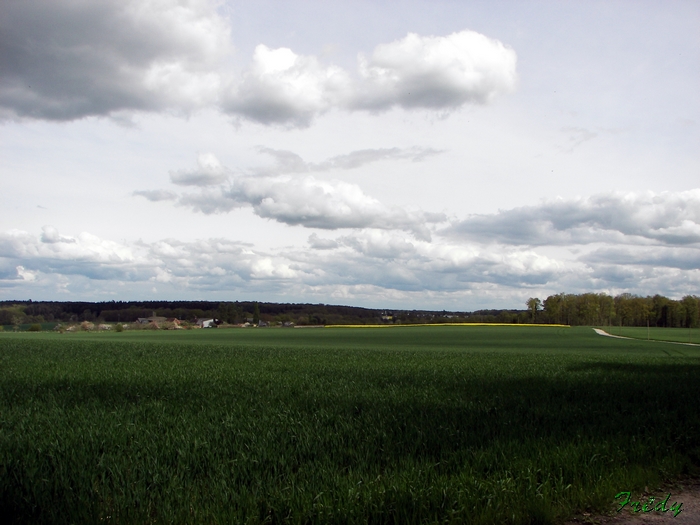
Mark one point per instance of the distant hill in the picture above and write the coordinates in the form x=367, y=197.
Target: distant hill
x=21, y=312
x=592, y=309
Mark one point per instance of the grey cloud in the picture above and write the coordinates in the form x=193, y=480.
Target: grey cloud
x=577, y=136
x=8, y=272
x=211, y=200
x=686, y=258
x=290, y=162
x=90, y=269
x=379, y=245
x=615, y=275
x=196, y=178
x=304, y=201
x=671, y=218
x=65, y=60
x=356, y=159
x=641, y=280
x=317, y=243
x=156, y=195
x=209, y=172
x=285, y=162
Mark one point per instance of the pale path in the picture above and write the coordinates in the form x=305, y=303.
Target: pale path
x=606, y=334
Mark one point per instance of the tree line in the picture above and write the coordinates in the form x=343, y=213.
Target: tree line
x=599, y=309
x=590, y=309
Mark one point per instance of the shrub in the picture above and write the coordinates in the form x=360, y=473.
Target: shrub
x=36, y=327
x=118, y=327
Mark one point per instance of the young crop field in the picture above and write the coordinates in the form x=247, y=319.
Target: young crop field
x=415, y=425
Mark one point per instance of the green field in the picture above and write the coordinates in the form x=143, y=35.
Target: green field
x=522, y=425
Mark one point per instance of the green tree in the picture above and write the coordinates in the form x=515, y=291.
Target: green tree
x=229, y=312
x=607, y=309
x=587, y=309
x=552, y=308
x=691, y=310
x=256, y=313
x=533, y=304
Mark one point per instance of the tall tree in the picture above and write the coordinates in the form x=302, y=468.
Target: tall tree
x=552, y=308
x=534, y=304
x=691, y=310
x=256, y=313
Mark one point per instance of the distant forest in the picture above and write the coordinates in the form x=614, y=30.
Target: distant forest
x=573, y=309
x=592, y=309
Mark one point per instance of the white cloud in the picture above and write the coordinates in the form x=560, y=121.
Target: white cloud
x=85, y=246
x=162, y=276
x=369, y=265
x=671, y=218
x=309, y=202
x=209, y=172
x=51, y=235
x=25, y=274
x=435, y=72
x=391, y=260
x=85, y=254
x=283, y=87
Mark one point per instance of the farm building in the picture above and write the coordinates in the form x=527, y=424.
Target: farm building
x=153, y=319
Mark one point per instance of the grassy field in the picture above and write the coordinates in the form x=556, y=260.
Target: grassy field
x=521, y=425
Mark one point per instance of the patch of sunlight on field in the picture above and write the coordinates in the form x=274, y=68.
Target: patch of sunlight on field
x=679, y=335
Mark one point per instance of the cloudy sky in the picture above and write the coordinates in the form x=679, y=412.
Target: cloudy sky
x=415, y=154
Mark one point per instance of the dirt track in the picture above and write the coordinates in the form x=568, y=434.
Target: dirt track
x=687, y=493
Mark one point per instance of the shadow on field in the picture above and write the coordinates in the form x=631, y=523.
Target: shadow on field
x=513, y=441
x=662, y=370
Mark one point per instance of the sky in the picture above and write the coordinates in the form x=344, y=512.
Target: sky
x=453, y=155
